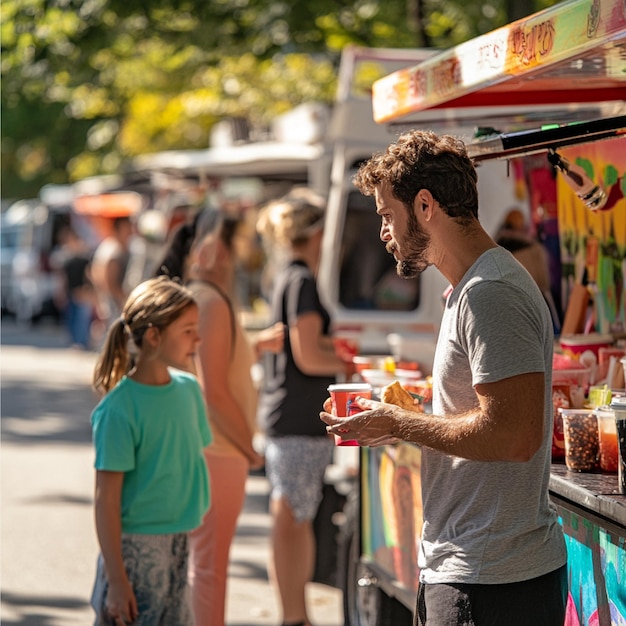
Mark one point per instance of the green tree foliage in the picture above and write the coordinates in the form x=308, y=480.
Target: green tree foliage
x=87, y=84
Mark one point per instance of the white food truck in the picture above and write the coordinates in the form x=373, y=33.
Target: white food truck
x=554, y=81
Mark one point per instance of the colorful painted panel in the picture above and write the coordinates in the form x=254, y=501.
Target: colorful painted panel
x=596, y=572
x=593, y=243
x=392, y=510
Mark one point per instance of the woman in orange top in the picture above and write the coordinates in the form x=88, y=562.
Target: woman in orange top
x=223, y=365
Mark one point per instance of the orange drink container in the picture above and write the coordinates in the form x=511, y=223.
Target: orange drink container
x=607, y=439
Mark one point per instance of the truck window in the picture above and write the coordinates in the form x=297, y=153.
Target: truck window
x=368, y=278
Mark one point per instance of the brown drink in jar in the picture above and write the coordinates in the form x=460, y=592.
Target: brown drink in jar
x=580, y=431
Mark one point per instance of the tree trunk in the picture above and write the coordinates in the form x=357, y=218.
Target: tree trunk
x=416, y=23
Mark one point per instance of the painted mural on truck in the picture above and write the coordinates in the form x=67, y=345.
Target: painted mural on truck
x=392, y=524
x=593, y=243
x=392, y=511
x=596, y=570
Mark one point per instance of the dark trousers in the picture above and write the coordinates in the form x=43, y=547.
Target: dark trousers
x=537, y=602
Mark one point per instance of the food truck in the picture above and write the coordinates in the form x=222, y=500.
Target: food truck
x=553, y=83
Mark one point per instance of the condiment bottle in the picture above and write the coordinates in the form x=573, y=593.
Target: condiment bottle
x=575, y=176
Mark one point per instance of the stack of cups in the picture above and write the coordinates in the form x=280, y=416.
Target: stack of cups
x=343, y=396
x=619, y=408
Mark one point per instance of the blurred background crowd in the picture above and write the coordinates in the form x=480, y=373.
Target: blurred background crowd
x=88, y=88
x=76, y=265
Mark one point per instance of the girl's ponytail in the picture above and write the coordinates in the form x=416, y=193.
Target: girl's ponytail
x=115, y=360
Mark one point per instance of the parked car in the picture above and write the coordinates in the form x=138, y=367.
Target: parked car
x=11, y=233
x=29, y=281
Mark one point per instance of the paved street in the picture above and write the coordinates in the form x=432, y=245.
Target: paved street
x=48, y=543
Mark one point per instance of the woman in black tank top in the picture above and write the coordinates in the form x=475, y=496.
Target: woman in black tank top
x=297, y=446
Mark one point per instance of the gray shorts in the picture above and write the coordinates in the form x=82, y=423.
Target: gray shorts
x=156, y=566
x=295, y=467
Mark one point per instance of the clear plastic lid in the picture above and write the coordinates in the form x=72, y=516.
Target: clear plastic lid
x=350, y=387
x=618, y=405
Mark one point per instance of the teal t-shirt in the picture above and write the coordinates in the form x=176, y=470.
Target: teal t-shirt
x=156, y=435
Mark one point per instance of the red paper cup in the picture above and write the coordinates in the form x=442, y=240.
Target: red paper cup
x=342, y=397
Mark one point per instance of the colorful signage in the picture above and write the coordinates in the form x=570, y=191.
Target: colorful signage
x=495, y=69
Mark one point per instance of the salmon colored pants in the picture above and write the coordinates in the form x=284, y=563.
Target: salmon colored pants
x=210, y=542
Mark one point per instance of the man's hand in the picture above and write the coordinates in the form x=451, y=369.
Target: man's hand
x=371, y=427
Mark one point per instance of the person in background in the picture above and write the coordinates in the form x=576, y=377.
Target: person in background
x=492, y=551
x=76, y=297
x=202, y=253
x=298, y=449
x=149, y=432
x=513, y=235
x=108, y=268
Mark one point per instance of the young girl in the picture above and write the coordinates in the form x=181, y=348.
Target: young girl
x=149, y=433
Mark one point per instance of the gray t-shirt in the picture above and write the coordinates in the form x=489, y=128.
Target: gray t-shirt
x=489, y=522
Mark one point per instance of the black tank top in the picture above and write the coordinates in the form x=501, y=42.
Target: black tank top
x=291, y=400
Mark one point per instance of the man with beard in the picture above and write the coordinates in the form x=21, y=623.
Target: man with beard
x=492, y=550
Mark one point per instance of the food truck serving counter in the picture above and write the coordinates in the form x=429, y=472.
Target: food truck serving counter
x=591, y=511
x=593, y=515
x=597, y=493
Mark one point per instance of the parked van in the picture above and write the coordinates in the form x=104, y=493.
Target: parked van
x=12, y=232
x=31, y=282
x=31, y=229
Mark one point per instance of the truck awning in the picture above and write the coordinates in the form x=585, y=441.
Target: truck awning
x=265, y=158
x=109, y=205
x=563, y=64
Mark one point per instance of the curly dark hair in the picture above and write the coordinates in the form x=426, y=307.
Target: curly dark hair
x=423, y=160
